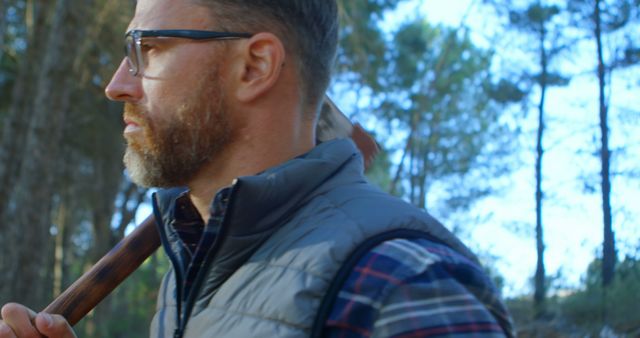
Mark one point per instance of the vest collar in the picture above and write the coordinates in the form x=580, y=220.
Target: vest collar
x=264, y=199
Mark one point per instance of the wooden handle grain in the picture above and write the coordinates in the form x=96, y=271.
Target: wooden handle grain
x=97, y=283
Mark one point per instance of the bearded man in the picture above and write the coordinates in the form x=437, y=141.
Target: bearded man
x=270, y=234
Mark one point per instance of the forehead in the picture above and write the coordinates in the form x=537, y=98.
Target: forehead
x=170, y=14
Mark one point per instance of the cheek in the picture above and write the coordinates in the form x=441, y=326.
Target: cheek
x=159, y=113
x=157, y=90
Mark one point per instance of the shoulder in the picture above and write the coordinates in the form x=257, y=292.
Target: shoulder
x=420, y=287
x=375, y=211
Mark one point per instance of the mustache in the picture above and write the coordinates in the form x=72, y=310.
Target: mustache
x=136, y=114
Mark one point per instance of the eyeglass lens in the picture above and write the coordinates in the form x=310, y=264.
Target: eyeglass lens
x=131, y=51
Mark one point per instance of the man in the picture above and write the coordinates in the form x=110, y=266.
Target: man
x=269, y=234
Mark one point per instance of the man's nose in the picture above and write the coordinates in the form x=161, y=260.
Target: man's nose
x=124, y=86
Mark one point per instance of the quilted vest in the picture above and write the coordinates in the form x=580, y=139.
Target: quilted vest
x=286, y=233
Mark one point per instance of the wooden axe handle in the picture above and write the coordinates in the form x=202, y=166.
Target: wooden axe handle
x=112, y=269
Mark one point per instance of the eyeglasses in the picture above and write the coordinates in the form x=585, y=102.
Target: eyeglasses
x=133, y=42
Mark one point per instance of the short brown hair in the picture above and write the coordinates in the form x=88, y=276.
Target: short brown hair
x=308, y=28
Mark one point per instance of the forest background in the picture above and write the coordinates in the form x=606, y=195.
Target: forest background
x=514, y=122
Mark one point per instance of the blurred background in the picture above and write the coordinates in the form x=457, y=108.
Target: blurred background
x=516, y=123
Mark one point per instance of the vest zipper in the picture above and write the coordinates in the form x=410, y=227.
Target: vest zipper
x=176, y=269
x=197, y=283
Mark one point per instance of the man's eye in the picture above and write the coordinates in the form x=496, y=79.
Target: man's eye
x=145, y=47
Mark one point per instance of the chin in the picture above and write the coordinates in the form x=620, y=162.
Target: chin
x=137, y=170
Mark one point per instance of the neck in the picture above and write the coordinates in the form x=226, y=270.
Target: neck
x=267, y=138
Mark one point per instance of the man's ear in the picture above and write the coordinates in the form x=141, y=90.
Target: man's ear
x=262, y=59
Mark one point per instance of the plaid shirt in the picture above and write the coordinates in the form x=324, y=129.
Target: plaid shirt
x=417, y=288
x=197, y=238
x=401, y=288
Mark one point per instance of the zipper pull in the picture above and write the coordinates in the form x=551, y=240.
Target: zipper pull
x=177, y=333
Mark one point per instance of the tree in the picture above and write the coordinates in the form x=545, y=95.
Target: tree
x=440, y=93
x=434, y=84
x=362, y=43
x=539, y=21
x=61, y=143
x=603, y=18
x=36, y=142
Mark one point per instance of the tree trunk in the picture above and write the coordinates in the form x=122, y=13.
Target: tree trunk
x=15, y=126
x=412, y=173
x=58, y=265
x=540, y=288
x=29, y=212
x=4, y=5
x=14, y=133
x=426, y=157
x=608, y=247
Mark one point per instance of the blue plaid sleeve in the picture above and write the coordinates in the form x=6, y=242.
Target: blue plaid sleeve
x=417, y=288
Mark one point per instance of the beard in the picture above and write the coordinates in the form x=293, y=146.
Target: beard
x=171, y=151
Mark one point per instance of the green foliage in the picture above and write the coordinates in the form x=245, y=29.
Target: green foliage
x=379, y=172
x=505, y=91
x=8, y=66
x=11, y=40
x=551, y=79
x=617, y=17
x=631, y=56
x=432, y=82
x=488, y=262
x=614, y=14
x=587, y=310
x=534, y=17
x=616, y=305
x=127, y=313
x=546, y=29
x=362, y=44
x=436, y=87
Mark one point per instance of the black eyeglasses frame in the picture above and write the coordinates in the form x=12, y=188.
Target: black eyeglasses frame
x=134, y=37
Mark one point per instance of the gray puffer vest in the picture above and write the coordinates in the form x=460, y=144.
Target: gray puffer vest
x=285, y=235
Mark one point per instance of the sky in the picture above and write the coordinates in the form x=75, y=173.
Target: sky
x=572, y=216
